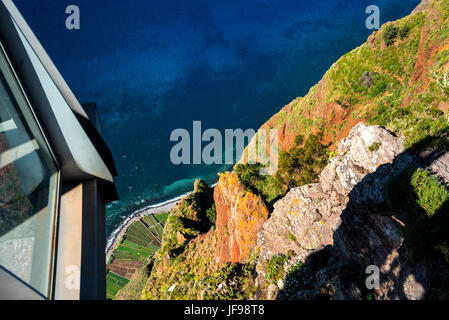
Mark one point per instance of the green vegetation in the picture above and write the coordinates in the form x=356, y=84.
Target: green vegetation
x=292, y=237
x=275, y=267
x=233, y=282
x=375, y=146
x=130, y=251
x=299, y=139
x=133, y=289
x=422, y=127
x=431, y=194
x=183, y=276
x=426, y=203
x=249, y=175
x=263, y=185
x=182, y=266
x=211, y=214
x=298, y=166
x=302, y=165
x=403, y=31
x=141, y=240
x=154, y=225
x=333, y=154
x=389, y=34
x=140, y=235
x=194, y=216
x=162, y=217
x=382, y=91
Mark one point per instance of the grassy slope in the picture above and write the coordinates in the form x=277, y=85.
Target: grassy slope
x=400, y=86
x=406, y=96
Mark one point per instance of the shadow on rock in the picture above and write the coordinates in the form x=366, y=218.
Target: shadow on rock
x=397, y=221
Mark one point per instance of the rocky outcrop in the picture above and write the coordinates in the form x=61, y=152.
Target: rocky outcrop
x=186, y=255
x=344, y=220
x=193, y=251
x=240, y=216
x=187, y=220
x=440, y=166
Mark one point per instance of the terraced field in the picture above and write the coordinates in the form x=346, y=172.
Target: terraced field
x=140, y=242
x=113, y=284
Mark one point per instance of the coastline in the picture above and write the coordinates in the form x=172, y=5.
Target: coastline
x=155, y=209
x=136, y=215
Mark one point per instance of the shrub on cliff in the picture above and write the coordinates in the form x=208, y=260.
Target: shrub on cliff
x=299, y=139
x=300, y=166
x=389, y=34
x=403, y=31
x=211, y=214
x=265, y=186
x=425, y=203
x=249, y=174
x=188, y=219
x=233, y=282
x=275, y=267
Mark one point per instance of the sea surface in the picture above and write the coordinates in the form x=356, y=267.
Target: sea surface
x=156, y=65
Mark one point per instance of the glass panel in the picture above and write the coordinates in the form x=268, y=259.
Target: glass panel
x=28, y=184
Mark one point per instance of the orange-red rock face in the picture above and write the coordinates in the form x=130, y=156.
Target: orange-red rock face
x=240, y=216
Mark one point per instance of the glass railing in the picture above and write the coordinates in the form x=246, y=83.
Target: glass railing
x=28, y=188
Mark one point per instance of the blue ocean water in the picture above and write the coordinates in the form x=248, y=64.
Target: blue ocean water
x=156, y=65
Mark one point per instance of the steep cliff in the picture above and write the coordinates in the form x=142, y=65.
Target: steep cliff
x=362, y=183
x=309, y=219
x=200, y=259
x=187, y=250
x=240, y=216
x=372, y=207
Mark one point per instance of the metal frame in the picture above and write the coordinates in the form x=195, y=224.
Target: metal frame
x=81, y=156
x=5, y=275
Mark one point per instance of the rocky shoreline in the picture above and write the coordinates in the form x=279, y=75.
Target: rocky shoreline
x=154, y=210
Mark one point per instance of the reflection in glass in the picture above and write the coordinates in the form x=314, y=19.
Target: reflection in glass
x=28, y=183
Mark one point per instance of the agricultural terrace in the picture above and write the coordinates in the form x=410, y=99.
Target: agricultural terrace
x=137, y=246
